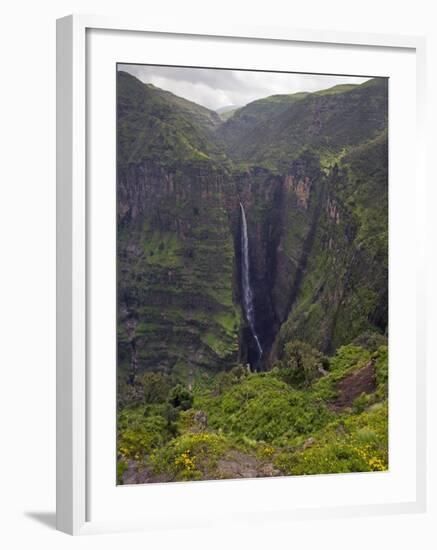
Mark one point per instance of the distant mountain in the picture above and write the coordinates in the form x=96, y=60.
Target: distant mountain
x=255, y=114
x=227, y=111
x=273, y=131
x=227, y=108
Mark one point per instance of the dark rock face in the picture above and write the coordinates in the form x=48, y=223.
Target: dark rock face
x=317, y=228
x=345, y=290
x=281, y=212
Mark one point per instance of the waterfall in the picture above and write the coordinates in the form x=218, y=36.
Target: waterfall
x=245, y=281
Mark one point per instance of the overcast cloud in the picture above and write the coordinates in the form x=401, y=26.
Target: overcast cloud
x=215, y=88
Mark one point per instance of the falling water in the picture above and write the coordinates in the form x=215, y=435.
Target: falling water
x=245, y=280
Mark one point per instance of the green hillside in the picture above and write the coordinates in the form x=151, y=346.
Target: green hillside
x=274, y=131
x=195, y=398
x=158, y=126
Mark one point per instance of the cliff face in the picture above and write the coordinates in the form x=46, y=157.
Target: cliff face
x=176, y=257
x=342, y=290
x=176, y=270
x=319, y=249
x=316, y=215
x=281, y=214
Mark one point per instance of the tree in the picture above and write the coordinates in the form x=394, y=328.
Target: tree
x=156, y=387
x=301, y=364
x=180, y=397
x=370, y=340
x=226, y=379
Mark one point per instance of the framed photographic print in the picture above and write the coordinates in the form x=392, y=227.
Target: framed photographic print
x=240, y=298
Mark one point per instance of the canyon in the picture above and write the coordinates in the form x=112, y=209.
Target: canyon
x=294, y=188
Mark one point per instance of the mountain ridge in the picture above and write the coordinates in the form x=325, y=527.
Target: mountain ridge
x=281, y=129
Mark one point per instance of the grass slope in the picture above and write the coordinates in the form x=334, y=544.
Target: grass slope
x=156, y=125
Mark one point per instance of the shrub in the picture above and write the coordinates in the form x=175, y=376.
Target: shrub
x=190, y=456
x=346, y=360
x=361, y=403
x=180, y=397
x=359, y=443
x=301, y=364
x=370, y=340
x=139, y=435
x=264, y=408
x=193, y=421
x=348, y=357
x=156, y=387
x=225, y=380
x=381, y=369
x=121, y=468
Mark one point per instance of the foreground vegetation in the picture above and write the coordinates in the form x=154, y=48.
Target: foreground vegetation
x=305, y=416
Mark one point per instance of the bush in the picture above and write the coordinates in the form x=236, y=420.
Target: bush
x=264, y=408
x=370, y=340
x=121, y=468
x=139, y=435
x=190, y=456
x=361, y=403
x=156, y=387
x=180, y=398
x=283, y=417
x=301, y=364
x=348, y=358
x=225, y=380
x=381, y=368
x=359, y=443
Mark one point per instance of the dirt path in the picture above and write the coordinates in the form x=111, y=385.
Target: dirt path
x=353, y=385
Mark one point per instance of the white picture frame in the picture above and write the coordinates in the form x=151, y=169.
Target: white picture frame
x=74, y=463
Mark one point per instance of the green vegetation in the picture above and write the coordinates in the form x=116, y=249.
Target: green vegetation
x=301, y=364
x=311, y=171
x=274, y=131
x=191, y=456
x=180, y=398
x=265, y=419
x=357, y=443
x=176, y=255
x=159, y=126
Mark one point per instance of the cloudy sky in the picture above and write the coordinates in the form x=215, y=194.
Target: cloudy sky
x=215, y=88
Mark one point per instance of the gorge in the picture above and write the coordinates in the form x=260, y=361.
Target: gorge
x=205, y=283
x=252, y=284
